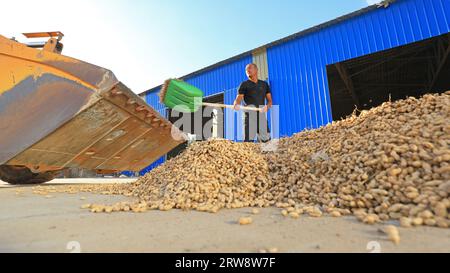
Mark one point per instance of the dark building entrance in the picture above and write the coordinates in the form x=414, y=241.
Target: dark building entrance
x=407, y=71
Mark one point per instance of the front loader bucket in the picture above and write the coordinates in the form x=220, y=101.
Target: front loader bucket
x=57, y=112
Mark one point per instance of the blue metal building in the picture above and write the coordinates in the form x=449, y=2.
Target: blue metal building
x=302, y=69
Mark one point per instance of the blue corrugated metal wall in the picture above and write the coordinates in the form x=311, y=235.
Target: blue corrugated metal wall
x=154, y=165
x=152, y=99
x=297, y=69
x=224, y=79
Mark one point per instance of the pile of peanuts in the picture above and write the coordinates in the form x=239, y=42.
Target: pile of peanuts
x=389, y=163
x=207, y=177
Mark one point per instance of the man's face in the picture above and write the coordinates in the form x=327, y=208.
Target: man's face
x=251, y=71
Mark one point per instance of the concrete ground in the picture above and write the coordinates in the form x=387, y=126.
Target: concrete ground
x=34, y=223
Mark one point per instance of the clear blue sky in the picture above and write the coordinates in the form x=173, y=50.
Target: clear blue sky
x=146, y=41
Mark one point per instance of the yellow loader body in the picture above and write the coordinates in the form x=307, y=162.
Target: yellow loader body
x=57, y=112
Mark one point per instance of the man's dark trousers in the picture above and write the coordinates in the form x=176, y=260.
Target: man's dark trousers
x=256, y=125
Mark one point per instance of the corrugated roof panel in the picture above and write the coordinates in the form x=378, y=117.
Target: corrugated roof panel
x=260, y=59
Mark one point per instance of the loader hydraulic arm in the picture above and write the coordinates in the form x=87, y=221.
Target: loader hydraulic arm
x=52, y=45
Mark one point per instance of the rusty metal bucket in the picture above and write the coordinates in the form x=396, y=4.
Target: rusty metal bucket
x=57, y=112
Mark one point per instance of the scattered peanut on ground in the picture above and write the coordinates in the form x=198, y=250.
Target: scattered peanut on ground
x=389, y=163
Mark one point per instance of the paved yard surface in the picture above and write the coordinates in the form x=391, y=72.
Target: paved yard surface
x=34, y=223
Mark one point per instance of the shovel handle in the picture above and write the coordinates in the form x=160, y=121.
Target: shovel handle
x=246, y=108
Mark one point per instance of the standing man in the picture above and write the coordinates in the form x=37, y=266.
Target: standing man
x=254, y=92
